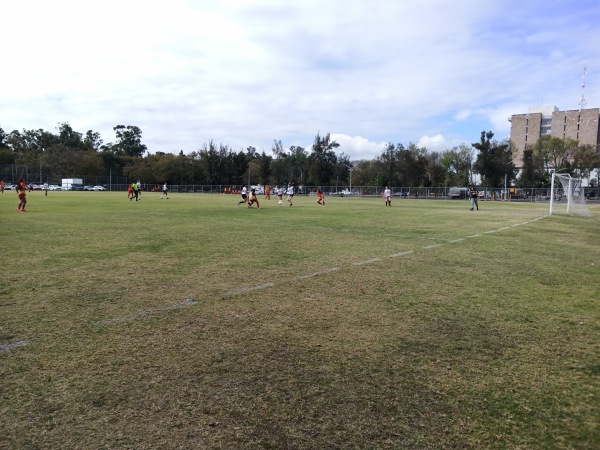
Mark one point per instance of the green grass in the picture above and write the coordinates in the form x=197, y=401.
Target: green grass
x=428, y=326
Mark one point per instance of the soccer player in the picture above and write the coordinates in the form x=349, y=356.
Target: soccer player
x=130, y=191
x=388, y=196
x=22, y=193
x=279, y=191
x=139, y=190
x=320, y=198
x=244, y=196
x=267, y=192
x=165, y=191
x=474, y=195
x=290, y=193
x=253, y=199
x=45, y=188
x=135, y=191
x=1, y=186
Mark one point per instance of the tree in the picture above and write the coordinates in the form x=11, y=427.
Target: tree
x=3, y=138
x=69, y=137
x=239, y=164
x=585, y=159
x=435, y=171
x=343, y=170
x=129, y=141
x=92, y=141
x=279, y=163
x=533, y=173
x=494, y=161
x=322, y=161
x=457, y=164
x=409, y=171
x=216, y=163
x=297, y=162
x=264, y=162
x=389, y=160
x=6, y=156
x=559, y=153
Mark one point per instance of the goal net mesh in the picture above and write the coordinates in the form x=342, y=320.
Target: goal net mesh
x=567, y=196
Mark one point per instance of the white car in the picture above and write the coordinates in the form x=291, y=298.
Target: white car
x=54, y=187
x=98, y=188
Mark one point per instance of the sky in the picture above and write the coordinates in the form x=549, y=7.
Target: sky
x=248, y=72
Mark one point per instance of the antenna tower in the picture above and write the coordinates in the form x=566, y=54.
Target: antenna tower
x=582, y=100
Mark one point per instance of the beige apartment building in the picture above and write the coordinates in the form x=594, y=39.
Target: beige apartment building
x=525, y=129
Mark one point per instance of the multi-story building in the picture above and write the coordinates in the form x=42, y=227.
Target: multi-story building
x=582, y=125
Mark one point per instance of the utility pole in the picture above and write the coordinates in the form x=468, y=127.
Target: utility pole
x=350, y=169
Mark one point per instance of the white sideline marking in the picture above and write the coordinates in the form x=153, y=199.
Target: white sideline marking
x=488, y=232
x=322, y=272
x=250, y=289
x=149, y=312
x=368, y=261
x=456, y=240
x=5, y=347
x=433, y=246
x=474, y=236
x=408, y=252
x=503, y=228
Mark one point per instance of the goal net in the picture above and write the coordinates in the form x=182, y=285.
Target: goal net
x=567, y=196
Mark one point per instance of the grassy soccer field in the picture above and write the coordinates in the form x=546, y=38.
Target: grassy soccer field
x=195, y=323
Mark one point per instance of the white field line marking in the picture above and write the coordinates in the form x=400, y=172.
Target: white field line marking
x=474, y=236
x=408, y=252
x=503, y=228
x=146, y=313
x=456, y=240
x=490, y=231
x=368, y=261
x=315, y=274
x=5, y=347
x=415, y=237
x=433, y=246
x=250, y=289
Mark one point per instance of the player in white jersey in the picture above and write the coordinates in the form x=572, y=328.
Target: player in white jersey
x=290, y=193
x=244, y=196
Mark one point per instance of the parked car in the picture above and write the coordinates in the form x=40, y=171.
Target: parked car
x=458, y=192
x=54, y=187
x=98, y=188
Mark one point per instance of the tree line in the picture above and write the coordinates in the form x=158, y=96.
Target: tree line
x=68, y=153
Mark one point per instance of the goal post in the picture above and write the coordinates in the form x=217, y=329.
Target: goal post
x=567, y=196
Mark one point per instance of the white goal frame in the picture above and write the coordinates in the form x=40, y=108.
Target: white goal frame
x=567, y=192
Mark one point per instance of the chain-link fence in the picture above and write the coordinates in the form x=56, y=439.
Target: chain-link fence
x=10, y=173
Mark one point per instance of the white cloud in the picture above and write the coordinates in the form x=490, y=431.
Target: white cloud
x=357, y=147
x=437, y=143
